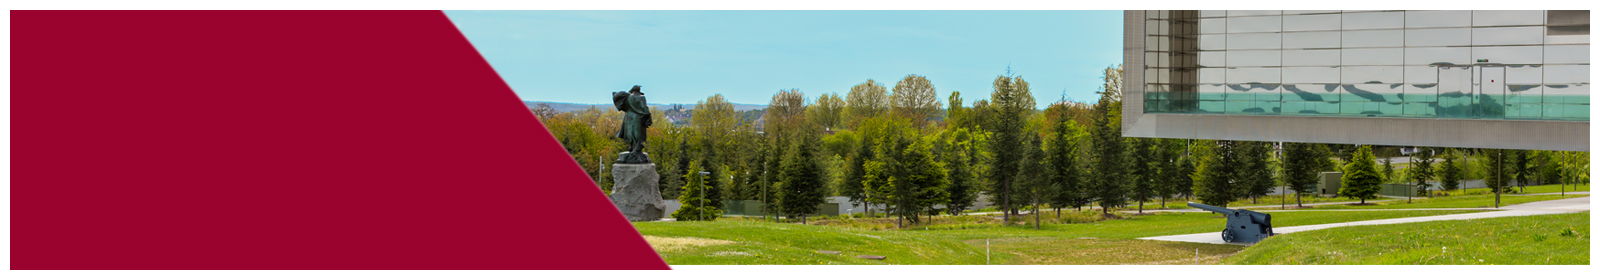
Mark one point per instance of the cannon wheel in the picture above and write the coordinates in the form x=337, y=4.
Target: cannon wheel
x=1227, y=236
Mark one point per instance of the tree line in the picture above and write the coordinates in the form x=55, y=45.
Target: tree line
x=904, y=150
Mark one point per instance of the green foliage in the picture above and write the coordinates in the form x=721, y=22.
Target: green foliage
x=1064, y=148
x=1361, y=179
x=1213, y=179
x=1300, y=167
x=691, y=201
x=1388, y=171
x=1421, y=170
x=963, y=187
x=1497, y=169
x=1450, y=170
x=1143, y=169
x=828, y=112
x=803, y=180
x=865, y=101
x=1493, y=241
x=902, y=173
x=1256, y=177
x=1109, y=155
x=914, y=98
x=1012, y=102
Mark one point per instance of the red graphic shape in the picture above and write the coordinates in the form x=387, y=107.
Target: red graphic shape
x=287, y=140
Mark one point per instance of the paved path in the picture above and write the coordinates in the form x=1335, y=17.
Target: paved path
x=1569, y=205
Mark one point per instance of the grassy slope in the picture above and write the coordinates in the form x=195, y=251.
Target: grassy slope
x=1551, y=189
x=1509, y=240
x=1472, y=201
x=1102, y=242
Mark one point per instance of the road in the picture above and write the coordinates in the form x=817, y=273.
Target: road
x=1560, y=206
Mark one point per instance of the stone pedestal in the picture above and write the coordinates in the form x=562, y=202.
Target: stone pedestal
x=636, y=191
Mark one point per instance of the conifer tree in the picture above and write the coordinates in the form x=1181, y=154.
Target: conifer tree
x=1450, y=172
x=803, y=183
x=690, y=199
x=1361, y=179
x=1068, y=173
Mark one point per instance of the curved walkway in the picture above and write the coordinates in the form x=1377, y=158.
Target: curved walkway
x=1559, y=206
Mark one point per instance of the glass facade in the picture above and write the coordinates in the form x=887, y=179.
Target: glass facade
x=1531, y=65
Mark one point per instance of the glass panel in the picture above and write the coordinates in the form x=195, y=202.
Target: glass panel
x=1499, y=18
x=1421, y=92
x=1152, y=44
x=1213, y=42
x=1213, y=59
x=1153, y=27
x=1369, y=109
x=1311, y=58
x=1421, y=75
x=1491, y=92
x=1427, y=19
x=1307, y=40
x=1566, y=54
x=1254, y=58
x=1209, y=106
x=1510, y=55
x=1253, y=75
x=1301, y=12
x=1372, y=74
x=1373, y=92
x=1566, y=93
x=1213, y=26
x=1455, y=85
x=1380, y=20
x=1310, y=108
x=1374, y=38
x=1257, y=92
x=1310, y=75
x=1531, y=35
x=1254, y=24
x=1431, y=56
x=1524, y=93
x=1524, y=74
x=1572, y=39
x=1311, y=92
x=1213, y=13
x=1387, y=56
x=1311, y=22
x=1419, y=109
x=1212, y=75
x=1567, y=17
x=1254, y=41
x=1439, y=37
x=1235, y=13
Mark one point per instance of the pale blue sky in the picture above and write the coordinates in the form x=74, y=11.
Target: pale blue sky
x=747, y=56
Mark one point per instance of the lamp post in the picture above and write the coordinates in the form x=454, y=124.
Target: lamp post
x=703, y=194
x=763, y=192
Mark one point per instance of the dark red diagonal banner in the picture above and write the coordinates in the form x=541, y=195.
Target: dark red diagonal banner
x=286, y=140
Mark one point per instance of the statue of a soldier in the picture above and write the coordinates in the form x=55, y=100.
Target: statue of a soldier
x=634, y=122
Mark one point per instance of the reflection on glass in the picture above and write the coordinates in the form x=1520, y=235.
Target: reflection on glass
x=1566, y=93
x=1212, y=75
x=1566, y=54
x=1529, y=35
x=1455, y=89
x=1213, y=26
x=1374, y=92
x=1510, y=55
x=1383, y=56
x=1311, y=92
x=1379, y=20
x=1421, y=92
x=1524, y=74
x=1524, y=93
x=1213, y=13
x=1254, y=41
x=1373, y=38
x=1254, y=58
x=1502, y=18
x=1253, y=75
x=1430, y=19
x=1213, y=42
x=1311, y=22
x=1311, y=58
x=1213, y=59
x=1372, y=74
x=1438, y=37
x=1302, y=12
x=1254, y=24
x=1310, y=75
x=1235, y=13
x=1421, y=75
x=1308, y=40
x=1563, y=74
x=1431, y=56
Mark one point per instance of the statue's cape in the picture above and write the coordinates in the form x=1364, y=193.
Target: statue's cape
x=621, y=100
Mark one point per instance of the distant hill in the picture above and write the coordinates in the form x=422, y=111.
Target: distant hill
x=570, y=107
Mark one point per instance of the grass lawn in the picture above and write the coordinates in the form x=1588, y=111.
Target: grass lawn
x=959, y=240
x=1509, y=240
x=1554, y=189
x=1470, y=201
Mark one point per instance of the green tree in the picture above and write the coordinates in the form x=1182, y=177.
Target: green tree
x=1421, y=170
x=1012, y=103
x=803, y=183
x=1300, y=166
x=1361, y=179
x=926, y=180
x=691, y=201
x=1497, y=171
x=914, y=98
x=1035, y=175
x=828, y=112
x=1256, y=176
x=1169, y=169
x=963, y=187
x=1068, y=173
x=1213, y=179
x=1522, y=169
x=1109, y=160
x=1142, y=169
x=957, y=116
x=1388, y=170
x=865, y=101
x=1450, y=172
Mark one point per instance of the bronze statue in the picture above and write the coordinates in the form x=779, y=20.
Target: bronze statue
x=636, y=119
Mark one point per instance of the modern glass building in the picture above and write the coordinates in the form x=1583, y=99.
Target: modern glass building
x=1484, y=79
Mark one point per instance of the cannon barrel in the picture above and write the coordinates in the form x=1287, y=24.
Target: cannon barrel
x=1220, y=210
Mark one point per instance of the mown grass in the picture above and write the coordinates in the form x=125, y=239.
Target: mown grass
x=1471, y=201
x=1542, y=239
x=959, y=240
x=1554, y=189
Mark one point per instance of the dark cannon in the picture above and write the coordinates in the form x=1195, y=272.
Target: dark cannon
x=1243, y=225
